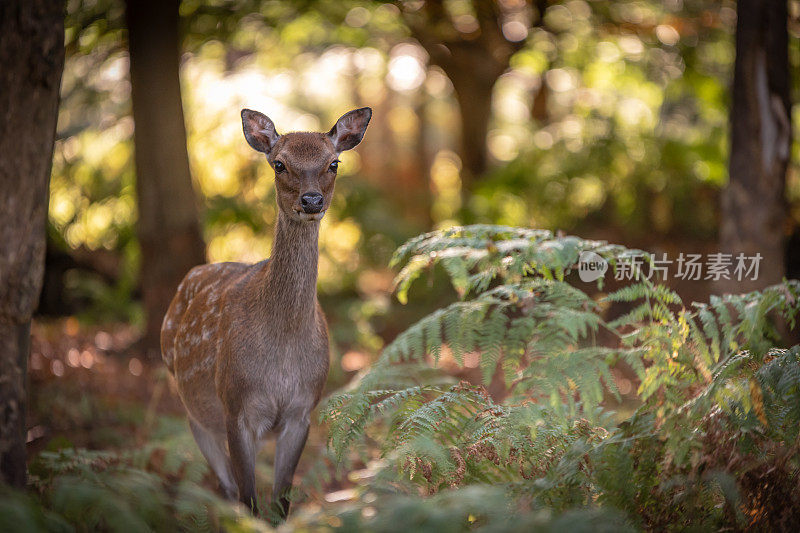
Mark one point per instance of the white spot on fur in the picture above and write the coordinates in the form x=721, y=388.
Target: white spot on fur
x=200, y=366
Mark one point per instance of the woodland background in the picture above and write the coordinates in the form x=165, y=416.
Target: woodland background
x=662, y=125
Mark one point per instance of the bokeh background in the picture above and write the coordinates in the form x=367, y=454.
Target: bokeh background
x=605, y=119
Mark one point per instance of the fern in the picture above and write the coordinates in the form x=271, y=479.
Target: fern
x=105, y=491
x=550, y=442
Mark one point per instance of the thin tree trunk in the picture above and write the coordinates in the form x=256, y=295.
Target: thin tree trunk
x=32, y=59
x=474, y=96
x=422, y=192
x=753, y=203
x=381, y=141
x=168, y=229
x=539, y=112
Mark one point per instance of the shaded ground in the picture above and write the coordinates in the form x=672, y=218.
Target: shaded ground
x=90, y=389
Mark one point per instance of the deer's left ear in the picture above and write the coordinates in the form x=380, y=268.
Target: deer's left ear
x=259, y=130
x=349, y=130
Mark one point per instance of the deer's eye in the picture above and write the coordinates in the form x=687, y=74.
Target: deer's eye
x=334, y=166
x=279, y=167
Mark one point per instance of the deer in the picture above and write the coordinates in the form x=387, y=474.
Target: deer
x=247, y=344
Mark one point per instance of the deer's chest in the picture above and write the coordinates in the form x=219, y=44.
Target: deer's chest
x=279, y=366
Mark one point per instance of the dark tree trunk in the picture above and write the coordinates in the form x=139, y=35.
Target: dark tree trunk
x=168, y=229
x=422, y=191
x=474, y=96
x=410, y=188
x=753, y=203
x=32, y=58
x=539, y=111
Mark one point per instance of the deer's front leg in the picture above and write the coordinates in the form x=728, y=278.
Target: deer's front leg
x=242, y=447
x=289, y=446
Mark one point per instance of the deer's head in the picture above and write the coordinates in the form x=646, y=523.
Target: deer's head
x=305, y=163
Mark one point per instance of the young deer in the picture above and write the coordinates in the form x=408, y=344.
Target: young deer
x=248, y=344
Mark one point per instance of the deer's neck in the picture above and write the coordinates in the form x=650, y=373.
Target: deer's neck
x=291, y=276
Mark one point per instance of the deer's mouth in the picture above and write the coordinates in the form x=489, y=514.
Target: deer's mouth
x=309, y=217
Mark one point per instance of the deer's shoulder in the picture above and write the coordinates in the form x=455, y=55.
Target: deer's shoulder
x=202, y=276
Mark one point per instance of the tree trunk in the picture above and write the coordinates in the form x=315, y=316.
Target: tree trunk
x=410, y=189
x=422, y=193
x=753, y=203
x=474, y=96
x=539, y=112
x=168, y=229
x=32, y=59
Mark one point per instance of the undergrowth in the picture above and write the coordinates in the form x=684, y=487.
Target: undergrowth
x=156, y=487
x=712, y=444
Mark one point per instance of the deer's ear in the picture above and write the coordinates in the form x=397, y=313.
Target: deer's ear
x=259, y=130
x=349, y=130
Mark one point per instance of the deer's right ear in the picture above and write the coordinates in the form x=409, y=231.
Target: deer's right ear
x=349, y=129
x=259, y=130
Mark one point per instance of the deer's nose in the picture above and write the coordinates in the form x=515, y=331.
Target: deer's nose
x=311, y=202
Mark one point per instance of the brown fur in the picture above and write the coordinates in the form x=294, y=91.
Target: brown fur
x=248, y=344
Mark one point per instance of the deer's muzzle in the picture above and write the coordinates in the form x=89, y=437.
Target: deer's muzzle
x=312, y=202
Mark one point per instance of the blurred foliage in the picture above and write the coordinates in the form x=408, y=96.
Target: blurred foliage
x=633, y=136
x=612, y=120
x=154, y=488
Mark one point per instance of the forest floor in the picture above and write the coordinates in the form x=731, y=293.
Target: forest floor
x=90, y=388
